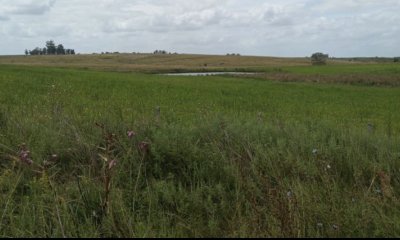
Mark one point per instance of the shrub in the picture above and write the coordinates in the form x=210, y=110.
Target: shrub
x=319, y=58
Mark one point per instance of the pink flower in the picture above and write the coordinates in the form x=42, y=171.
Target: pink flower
x=24, y=156
x=131, y=134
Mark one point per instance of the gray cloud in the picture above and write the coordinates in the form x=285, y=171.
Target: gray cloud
x=257, y=27
x=27, y=7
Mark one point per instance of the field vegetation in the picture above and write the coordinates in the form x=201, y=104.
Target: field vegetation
x=156, y=63
x=97, y=147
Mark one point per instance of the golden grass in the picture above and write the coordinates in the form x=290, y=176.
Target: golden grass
x=156, y=63
x=370, y=79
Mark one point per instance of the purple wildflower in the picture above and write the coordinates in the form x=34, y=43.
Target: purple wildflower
x=131, y=134
x=24, y=156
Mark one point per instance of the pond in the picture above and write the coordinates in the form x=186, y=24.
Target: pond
x=208, y=73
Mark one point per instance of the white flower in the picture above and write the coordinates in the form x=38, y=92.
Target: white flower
x=289, y=194
x=328, y=167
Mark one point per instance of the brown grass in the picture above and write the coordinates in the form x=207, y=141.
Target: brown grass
x=386, y=188
x=353, y=78
x=156, y=63
x=270, y=68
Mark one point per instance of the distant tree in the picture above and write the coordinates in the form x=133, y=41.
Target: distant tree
x=160, y=52
x=26, y=52
x=319, y=58
x=35, y=51
x=396, y=59
x=60, y=50
x=51, y=47
x=38, y=51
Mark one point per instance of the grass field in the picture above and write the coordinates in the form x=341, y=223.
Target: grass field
x=155, y=63
x=122, y=154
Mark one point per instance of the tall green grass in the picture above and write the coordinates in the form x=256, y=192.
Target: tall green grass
x=211, y=156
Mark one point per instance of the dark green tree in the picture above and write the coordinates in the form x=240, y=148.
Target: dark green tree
x=35, y=51
x=319, y=58
x=51, y=47
x=60, y=50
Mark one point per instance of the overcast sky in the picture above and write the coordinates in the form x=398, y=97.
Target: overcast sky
x=342, y=28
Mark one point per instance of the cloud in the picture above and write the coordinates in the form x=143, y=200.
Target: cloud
x=28, y=7
x=185, y=17
x=256, y=27
x=31, y=30
x=4, y=18
x=349, y=6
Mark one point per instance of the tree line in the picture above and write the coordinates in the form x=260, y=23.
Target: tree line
x=50, y=49
x=162, y=52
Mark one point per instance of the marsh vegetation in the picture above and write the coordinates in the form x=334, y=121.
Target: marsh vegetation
x=94, y=153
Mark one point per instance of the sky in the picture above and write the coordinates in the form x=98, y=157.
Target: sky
x=286, y=28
